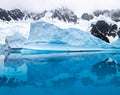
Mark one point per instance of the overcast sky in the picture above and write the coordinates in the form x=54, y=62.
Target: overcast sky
x=77, y=5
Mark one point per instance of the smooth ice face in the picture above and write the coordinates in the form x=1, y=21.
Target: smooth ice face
x=46, y=36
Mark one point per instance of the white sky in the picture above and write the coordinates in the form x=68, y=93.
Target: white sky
x=77, y=5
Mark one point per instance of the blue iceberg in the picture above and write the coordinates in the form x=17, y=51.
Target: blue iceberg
x=46, y=36
x=116, y=43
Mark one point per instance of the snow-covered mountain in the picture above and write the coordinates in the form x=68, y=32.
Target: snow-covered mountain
x=104, y=24
x=113, y=14
x=17, y=14
x=62, y=13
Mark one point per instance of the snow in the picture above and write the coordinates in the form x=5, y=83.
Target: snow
x=50, y=32
x=116, y=43
x=9, y=28
x=110, y=60
x=15, y=41
x=81, y=24
x=46, y=36
x=2, y=48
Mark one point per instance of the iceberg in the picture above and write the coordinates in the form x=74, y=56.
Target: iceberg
x=15, y=41
x=46, y=36
x=11, y=28
x=116, y=43
x=2, y=48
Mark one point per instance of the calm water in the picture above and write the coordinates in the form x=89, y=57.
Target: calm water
x=91, y=73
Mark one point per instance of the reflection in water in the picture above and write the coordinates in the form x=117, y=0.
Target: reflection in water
x=106, y=67
x=63, y=70
x=115, y=81
x=10, y=82
x=87, y=81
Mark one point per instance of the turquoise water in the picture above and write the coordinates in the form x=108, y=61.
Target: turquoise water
x=79, y=73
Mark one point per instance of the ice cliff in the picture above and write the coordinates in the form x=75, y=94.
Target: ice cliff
x=46, y=36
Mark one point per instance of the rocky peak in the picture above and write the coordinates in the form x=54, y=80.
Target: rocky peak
x=103, y=30
x=64, y=14
x=17, y=14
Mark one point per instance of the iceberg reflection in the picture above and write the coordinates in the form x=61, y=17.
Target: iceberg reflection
x=60, y=70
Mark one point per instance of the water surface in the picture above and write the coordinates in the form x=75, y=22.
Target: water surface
x=79, y=73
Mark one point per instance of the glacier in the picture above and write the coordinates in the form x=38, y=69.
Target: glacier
x=46, y=36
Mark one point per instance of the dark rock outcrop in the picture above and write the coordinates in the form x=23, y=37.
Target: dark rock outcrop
x=115, y=15
x=64, y=14
x=112, y=14
x=97, y=13
x=35, y=16
x=4, y=15
x=106, y=67
x=102, y=30
x=17, y=14
x=118, y=33
x=87, y=16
